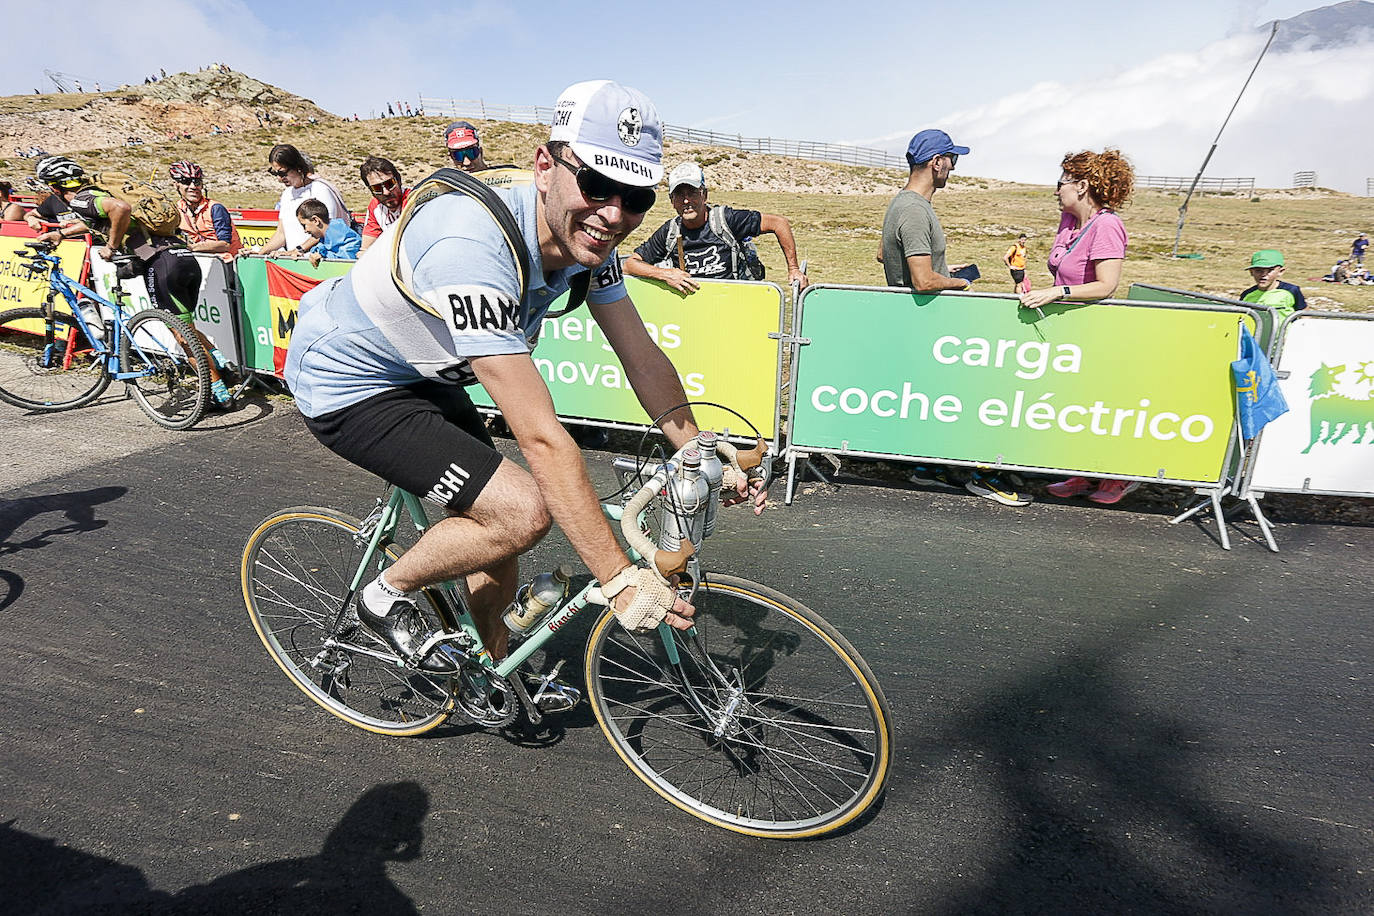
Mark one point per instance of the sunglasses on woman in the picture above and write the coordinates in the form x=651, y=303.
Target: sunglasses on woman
x=598, y=188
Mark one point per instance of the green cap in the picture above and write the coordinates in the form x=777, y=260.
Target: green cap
x=1268, y=257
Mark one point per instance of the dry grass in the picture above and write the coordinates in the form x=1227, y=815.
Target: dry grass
x=836, y=211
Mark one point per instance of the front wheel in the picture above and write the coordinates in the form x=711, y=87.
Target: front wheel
x=297, y=575
x=46, y=363
x=766, y=722
x=173, y=382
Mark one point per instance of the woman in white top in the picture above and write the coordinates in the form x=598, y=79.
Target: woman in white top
x=293, y=169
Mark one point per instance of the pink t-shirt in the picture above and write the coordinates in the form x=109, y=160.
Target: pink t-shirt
x=1102, y=239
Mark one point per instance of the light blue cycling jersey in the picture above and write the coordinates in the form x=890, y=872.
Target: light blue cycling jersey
x=357, y=336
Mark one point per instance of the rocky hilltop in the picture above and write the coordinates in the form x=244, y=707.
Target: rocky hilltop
x=183, y=103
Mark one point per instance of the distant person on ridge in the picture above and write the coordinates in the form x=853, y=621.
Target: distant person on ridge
x=1357, y=248
x=706, y=241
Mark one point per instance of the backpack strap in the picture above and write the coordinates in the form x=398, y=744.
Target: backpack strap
x=716, y=218
x=672, y=242
x=456, y=181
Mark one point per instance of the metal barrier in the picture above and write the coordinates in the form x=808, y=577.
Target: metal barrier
x=1181, y=183
x=794, y=149
x=1123, y=389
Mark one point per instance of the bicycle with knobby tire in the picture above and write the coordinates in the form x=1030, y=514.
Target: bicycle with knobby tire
x=761, y=718
x=53, y=360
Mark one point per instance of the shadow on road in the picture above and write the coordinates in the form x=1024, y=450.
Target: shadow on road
x=1108, y=814
x=78, y=507
x=43, y=878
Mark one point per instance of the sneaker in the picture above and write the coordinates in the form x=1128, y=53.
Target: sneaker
x=1007, y=489
x=404, y=630
x=939, y=476
x=1074, y=486
x=220, y=397
x=1113, y=491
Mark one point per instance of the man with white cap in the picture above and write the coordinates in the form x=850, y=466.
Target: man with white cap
x=379, y=371
x=705, y=241
x=913, y=251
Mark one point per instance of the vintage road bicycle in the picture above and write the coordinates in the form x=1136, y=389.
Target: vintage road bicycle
x=53, y=360
x=761, y=719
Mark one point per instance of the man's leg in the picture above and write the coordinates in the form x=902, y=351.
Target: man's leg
x=483, y=545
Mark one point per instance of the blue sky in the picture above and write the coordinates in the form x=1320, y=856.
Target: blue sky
x=1027, y=81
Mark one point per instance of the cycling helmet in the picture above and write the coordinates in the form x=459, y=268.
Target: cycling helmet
x=186, y=170
x=58, y=170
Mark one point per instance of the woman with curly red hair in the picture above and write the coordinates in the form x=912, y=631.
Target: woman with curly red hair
x=1085, y=261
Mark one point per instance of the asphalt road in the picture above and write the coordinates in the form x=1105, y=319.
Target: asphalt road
x=1095, y=712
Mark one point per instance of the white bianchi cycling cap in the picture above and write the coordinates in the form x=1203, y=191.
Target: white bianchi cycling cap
x=612, y=128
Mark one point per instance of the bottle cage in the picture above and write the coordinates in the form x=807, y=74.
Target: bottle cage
x=456, y=181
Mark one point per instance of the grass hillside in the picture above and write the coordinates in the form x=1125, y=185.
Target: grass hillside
x=836, y=211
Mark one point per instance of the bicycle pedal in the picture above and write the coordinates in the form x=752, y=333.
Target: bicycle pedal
x=557, y=697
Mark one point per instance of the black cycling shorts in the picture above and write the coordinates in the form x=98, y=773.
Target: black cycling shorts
x=427, y=438
x=173, y=280
x=1017, y=275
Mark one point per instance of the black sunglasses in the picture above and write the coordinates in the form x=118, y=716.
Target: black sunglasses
x=275, y=173
x=189, y=181
x=597, y=187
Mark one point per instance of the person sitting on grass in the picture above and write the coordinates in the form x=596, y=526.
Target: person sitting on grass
x=335, y=239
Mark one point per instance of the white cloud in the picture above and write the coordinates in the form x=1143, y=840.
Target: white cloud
x=1304, y=110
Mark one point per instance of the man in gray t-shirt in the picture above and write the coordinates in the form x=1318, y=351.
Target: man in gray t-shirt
x=913, y=252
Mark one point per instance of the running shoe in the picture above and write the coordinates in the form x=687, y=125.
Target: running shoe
x=1005, y=488
x=1113, y=491
x=1074, y=486
x=405, y=631
x=939, y=476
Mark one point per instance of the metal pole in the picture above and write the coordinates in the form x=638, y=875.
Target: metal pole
x=1183, y=210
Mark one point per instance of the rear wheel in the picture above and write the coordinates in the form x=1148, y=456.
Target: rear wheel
x=767, y=722
x=173, y=385
x=46, y=363
x=297, y=573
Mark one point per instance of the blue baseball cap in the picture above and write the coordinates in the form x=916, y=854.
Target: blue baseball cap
x=928, y=144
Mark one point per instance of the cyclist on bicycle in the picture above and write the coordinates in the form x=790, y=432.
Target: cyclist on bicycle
x=380, y=381
x=169, y=269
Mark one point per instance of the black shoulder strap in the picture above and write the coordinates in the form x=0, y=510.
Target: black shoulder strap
x=456, y=181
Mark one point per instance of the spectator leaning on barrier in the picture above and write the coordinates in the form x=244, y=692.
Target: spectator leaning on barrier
x=913, y=248
x=334, y=238
x=9, y=209
x=464, y=146
x=389, y=195
x=288, y=165
x=1266, y=266
x=709, y=242
x=1085, y=260
x=205, y=222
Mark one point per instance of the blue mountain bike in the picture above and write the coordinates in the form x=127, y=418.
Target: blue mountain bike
x=54, y=360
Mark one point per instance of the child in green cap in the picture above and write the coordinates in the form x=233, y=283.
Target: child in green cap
x=1266, y=266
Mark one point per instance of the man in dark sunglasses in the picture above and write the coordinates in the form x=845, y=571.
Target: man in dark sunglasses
x=389, y=195
x=380, y=358
x=464, y=146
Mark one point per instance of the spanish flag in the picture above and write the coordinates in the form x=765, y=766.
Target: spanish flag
x=284, y=291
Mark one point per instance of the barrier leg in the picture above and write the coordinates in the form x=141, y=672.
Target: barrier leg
x=1214, y=502
x=791, y=477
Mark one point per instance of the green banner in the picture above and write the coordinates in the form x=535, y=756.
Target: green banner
x=717, y=339
x=1101, y=389
x=1264, y=329
x=255, y=306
